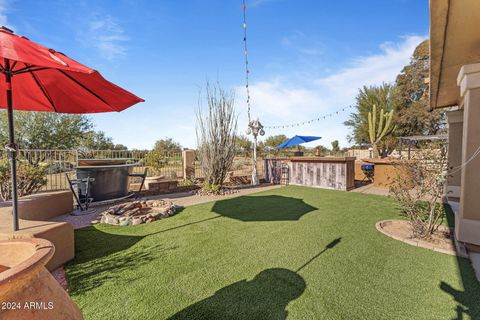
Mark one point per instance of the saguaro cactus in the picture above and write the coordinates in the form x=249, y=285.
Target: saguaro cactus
x=376, y=133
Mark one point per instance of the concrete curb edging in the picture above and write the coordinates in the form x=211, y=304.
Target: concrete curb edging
x=420, y=243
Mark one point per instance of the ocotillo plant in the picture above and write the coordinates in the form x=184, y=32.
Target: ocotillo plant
x=376, y=133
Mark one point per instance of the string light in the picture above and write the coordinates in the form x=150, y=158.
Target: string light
x=318, y=119
x=247, y=70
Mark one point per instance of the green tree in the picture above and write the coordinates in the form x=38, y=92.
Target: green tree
x=167, y=145
x=322, y=148
x=382, y=97
x=120, y=146
x=243, y=145
x=262, y=150
x=96, y=140
x=49, y=130
x=335, y=146
x=272, y=141
x=411, y=100
x=42, y=130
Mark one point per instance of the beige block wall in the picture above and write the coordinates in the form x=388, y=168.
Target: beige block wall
x=470, y=178
x=455, y=133
x=468, y=218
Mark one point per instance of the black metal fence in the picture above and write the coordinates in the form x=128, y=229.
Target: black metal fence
x=58, y=163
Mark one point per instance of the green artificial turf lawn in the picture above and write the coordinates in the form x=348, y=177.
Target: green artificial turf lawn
x=292, y=252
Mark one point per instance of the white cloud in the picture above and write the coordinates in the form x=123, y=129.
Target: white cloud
x=4, y=9
x=371, y=70
x=3, y=13
x=107, y=36
x=283, y=100
x=302, y=43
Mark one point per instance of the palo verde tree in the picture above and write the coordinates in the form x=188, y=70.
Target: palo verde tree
x=376, y=132
x=216, y=131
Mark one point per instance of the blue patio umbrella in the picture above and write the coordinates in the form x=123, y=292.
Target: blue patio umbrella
x=296, y=141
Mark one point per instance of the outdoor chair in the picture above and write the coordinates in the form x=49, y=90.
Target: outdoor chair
x=81, y=191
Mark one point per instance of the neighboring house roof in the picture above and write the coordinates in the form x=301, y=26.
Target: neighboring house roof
x=454, y=41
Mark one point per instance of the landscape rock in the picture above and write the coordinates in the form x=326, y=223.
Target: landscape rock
x=137, y=212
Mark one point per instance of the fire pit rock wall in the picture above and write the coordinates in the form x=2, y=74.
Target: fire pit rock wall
x=138, y=212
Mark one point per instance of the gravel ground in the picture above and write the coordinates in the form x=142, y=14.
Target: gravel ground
x=59, y=275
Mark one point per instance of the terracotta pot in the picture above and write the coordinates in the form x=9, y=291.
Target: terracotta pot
x=27, y=289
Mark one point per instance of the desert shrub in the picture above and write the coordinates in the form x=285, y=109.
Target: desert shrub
x=186, y=183
x=162, y=163
x=216, y=136
x=211, y=187
x=419, y=187
x=171, y=174
x=30, y=178
x=155, y=161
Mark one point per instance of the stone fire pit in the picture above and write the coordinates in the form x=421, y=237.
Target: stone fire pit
x=138, y=212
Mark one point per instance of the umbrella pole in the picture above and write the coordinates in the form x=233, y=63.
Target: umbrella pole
x=11, y=148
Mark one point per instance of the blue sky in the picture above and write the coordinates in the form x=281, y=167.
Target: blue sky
x=307, y=57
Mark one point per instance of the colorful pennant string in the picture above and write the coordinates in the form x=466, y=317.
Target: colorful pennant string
x=247, y=71
x=247, y=87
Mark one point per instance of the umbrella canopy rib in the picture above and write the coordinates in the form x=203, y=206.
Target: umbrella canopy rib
x=44, y=91
x=27, y=69
x=86, y=89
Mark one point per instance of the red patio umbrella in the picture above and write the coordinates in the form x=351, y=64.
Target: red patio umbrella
x=40, y=79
